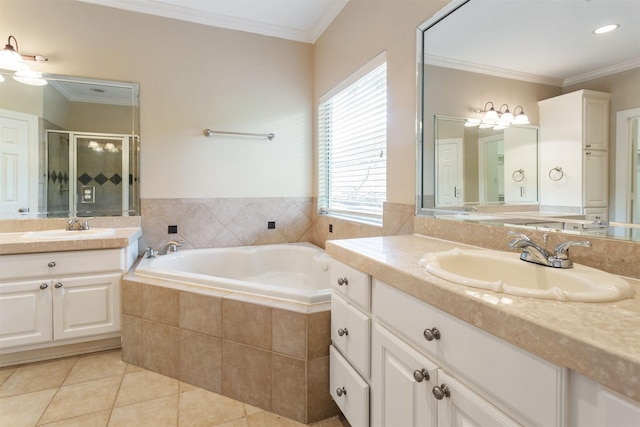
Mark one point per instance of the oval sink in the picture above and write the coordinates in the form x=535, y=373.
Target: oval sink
x=505, y=272
x=69, y=234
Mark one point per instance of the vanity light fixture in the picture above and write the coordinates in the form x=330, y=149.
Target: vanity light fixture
x=491, y=115
x=520, y=118
x=505, y=117
x=500, y=119
x=606, y=28
x=11, y=59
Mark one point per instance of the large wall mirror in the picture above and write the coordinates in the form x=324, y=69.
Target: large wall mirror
x=69, y=147
x=514, y=56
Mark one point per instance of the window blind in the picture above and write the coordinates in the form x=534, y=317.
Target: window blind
x=353, y=144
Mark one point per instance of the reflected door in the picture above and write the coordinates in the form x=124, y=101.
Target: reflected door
x=449, y=176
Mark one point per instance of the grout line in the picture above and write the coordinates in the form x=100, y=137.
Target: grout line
x=57, y=389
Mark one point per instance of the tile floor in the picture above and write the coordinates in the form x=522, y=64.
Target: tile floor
x=101, y=390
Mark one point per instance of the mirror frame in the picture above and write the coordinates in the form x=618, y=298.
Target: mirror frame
x=617, y=230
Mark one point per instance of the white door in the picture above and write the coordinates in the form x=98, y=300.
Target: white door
x=462, y=407
x=449, y=165
x=25, y=313
x=18, y=163
x=84, y=306
x=402, y=383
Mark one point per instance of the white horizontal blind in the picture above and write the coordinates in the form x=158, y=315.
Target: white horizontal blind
x=353, y=144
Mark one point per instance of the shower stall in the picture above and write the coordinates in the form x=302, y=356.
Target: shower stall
x=90, y=174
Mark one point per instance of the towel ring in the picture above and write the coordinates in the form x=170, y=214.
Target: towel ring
x=557, y=177
x=518, y=175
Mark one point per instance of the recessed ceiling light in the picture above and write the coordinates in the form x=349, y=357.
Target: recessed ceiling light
x=606, y=28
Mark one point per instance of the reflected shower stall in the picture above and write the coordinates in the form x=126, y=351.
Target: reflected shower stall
x=89, y=173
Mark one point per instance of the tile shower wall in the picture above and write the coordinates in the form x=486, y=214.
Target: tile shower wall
x=224, y=222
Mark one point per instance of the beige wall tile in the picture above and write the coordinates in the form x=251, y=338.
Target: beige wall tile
x=132, y=348
x=247, y=323
x=161, y=304
x=246, y=374
x=318, y=334
x=200, y=360
x=290, y=333
x=320, y=405
x=131, y=298
x=288, y=387
x=201, y=313
x=160, y=345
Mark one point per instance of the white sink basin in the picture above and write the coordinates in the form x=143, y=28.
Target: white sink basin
x=69, y=234
x=505, y=272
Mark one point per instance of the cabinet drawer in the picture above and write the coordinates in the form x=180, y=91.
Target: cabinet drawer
x=350, y=333
x=507, y=374
x=352, y=284
x=60, y=263
x=354, y=391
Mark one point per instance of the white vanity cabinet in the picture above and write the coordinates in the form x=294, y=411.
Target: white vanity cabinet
x=574, y=141
x=57, y=298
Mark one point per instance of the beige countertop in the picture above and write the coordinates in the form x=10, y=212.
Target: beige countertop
x=16, y=243
x=598, y=340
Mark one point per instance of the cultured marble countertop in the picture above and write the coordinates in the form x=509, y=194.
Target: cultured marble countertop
x=598, y=340
x=16, y=243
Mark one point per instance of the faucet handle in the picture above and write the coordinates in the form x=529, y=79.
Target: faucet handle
x=85, y=224
x=563, y=248
x=519, y=235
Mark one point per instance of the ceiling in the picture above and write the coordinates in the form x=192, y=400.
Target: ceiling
x=299, y=20
x=545, y=41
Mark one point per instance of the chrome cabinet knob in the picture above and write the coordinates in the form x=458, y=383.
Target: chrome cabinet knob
x=431, y=334
x=343, y=281
x=52, y=264
x=343, y=331
x=441, y=392
x=58, y=285
x=421, y=375
x=341, y=391
x=44, y=286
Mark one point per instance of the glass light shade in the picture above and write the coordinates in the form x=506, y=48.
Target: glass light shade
x=486, y=125
x=1, y=78
x=506, y=117
x=11, y=60
x=28, y=77
x=93, y=144
x=500, y=126
x=472, y=123
x=521, y=119
x=491, y=116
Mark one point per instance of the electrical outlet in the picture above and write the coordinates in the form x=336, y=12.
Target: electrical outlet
x=172, y=229
x=271, y=225
x=330, y=228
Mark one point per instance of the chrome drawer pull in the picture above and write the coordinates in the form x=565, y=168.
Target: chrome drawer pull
x=343, y=281
x=44, y=286
x=342, y=332
x=421, y=375
x=441, y=392
x=58, y=285
x=52, y=264
x=431, y=334
x=341, y=391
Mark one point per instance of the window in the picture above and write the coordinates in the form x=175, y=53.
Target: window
x=353, y=142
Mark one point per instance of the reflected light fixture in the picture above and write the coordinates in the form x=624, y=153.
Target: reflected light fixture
x=500, y=119
x=491, y=116
x=520, y=118
x=606, y=28
x=11, y=59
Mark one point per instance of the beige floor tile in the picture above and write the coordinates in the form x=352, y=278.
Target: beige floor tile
x=96, y=419
x=6, y=373
x=184, y=387
x=250, y=410
x=204, y=408
x=82, y=398
x=98, y=366
x=336, y=421
x=36, y=377
x=25, y=409
x=268, y=419
x=133, y=368
x=242, y=422
x=162, y=412
x=145, y=385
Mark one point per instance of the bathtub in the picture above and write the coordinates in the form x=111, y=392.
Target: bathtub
x=293, y=271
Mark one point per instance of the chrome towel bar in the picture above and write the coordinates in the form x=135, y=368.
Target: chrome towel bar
x=209, y=133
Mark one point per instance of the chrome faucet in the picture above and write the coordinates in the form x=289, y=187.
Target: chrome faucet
x=76, y=224
x=533, y=252
x=170, y=246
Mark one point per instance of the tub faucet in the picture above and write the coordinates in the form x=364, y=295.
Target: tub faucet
x=533, y=252
x=170, y=246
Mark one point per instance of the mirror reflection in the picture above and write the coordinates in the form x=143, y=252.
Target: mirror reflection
x=527, y=53
x=70, y=148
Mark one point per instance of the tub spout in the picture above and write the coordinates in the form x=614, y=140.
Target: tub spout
x=170, y=246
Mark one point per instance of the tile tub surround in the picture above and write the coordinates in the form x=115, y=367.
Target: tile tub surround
x=268, y=353
x=597, y=340
x=614, y=256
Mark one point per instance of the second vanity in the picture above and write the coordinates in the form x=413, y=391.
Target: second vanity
x=60, y=293
x=412, y=349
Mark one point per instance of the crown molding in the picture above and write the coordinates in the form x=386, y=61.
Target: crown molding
x=602, y=72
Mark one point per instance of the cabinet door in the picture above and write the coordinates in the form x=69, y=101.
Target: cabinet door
x=463, y=407
x=402, y=382
x=596, y=183
x=596, y=123
x=84, y=306
x=25, y=313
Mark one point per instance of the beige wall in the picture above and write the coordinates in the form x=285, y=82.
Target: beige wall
x=191, y=77
x=363, y=29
